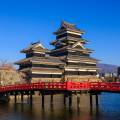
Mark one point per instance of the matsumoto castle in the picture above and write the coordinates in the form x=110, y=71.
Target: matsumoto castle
x=69, y=60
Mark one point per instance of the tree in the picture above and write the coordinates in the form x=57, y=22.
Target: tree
x=9, y=75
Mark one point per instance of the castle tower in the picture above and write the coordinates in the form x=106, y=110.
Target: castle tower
x=70, y=47
x=38, y=66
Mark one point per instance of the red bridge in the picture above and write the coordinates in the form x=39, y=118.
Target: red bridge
x=66, y=88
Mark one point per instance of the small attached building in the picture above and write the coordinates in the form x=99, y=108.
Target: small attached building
x=39, y=66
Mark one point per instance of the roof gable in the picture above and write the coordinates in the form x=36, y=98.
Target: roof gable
x=78, y=44
x=38, y=46
x=34, y=46
x=65, y=26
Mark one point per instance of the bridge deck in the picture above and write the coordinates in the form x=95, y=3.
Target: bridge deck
x=68, y=86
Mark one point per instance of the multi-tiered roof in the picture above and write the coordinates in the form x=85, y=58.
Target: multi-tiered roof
x=38, y=65
x=70, y=46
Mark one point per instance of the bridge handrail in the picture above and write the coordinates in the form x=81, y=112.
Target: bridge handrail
x=102, y=86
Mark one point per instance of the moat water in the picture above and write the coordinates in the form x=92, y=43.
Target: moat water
x=109, y=109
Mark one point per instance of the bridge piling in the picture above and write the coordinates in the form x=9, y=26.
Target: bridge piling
x=96, y=100
x=51, y=100
x=15, y=98
x=91, y=101
x=31, y=98
x=70, y=100
x=22, y=98
x=43, y=100
x=78, y=100
x=64, y=99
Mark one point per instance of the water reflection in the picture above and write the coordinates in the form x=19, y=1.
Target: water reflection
x=108, y=109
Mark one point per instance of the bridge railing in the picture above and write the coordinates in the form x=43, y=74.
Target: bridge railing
x=105, y=86
x=101, y=86
x=78, y=85
x=35, y=86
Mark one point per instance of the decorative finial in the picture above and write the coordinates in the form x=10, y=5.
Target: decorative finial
x=67, y=25
x=33, y=43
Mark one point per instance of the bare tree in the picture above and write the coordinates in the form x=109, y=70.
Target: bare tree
x=9, y=75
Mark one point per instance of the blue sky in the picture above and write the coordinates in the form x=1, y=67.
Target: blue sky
x=26, y=21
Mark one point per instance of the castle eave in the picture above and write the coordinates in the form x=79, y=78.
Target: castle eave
x=23, y=61
x=25, y=70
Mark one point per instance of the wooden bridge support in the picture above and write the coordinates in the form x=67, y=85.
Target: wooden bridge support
x=91, y=101
x=31, y=98
x=70, y=100
x=78, y=100
x=22, y=98
x=64, y=99
x=96, y=100
x=43, y=100
x=15, y=97
x=51, y=100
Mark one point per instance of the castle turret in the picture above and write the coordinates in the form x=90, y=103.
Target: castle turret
x=38, y=65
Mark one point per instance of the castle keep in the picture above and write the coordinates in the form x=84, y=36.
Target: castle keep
x=69, y=60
